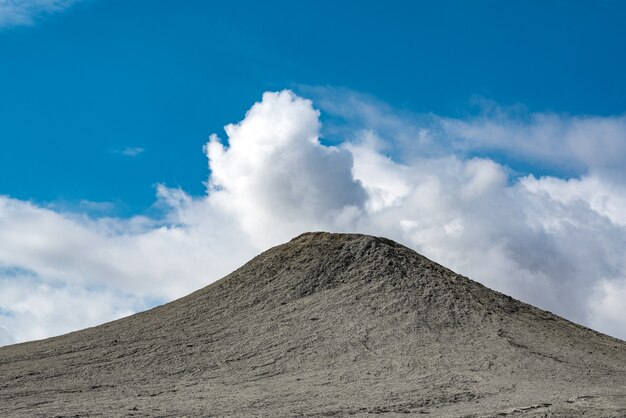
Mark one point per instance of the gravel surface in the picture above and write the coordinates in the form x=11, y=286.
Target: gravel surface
x=325, y=325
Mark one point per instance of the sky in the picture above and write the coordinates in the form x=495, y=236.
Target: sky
x=148, y=148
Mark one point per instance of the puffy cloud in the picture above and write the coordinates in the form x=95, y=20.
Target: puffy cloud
x=24, y=12
x=53, y=265
x=275, y=172
x=554, y=242
x=602, y=195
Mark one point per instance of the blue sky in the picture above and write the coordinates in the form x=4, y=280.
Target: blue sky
x=81, y=86
x=151, y=147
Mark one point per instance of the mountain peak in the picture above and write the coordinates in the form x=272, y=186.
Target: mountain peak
x=326, y=324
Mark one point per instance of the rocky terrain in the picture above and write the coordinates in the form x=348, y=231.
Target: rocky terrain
x=325, y=325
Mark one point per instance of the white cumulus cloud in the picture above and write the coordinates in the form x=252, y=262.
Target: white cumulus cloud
x=275, y=172
x=551, y=241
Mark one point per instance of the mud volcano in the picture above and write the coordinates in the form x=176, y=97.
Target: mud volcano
x=325, y=325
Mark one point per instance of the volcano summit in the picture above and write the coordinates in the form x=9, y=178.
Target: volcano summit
x=325, y=325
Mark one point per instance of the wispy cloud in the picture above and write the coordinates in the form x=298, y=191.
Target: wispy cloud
x=132, y=151
x=86, y=207
x=25, y=12
x=129, y=151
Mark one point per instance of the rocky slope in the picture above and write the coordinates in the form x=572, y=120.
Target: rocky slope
x=325, y=325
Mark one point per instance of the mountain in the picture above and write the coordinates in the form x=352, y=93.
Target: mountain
x=325, y=325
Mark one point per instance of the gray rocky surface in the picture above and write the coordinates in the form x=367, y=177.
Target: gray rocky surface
x=325, y=325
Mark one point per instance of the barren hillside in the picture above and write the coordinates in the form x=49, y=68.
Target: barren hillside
x=325, y=325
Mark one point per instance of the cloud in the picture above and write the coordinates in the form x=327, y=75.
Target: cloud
x=608, y=309
x=5, y=337
x=556, y=242
x=132, y=151
x=275, y=172
x=24, y=12
x=106, y=267
x=583, y=143
x=41, y=308
x=85, y=207
x=128, y=151
x=564, y=143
